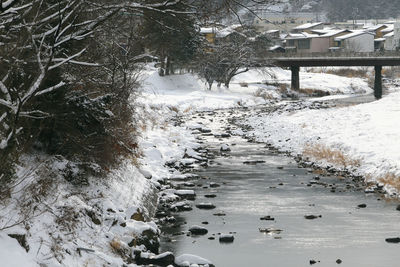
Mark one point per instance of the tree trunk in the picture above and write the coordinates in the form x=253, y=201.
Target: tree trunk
x=168, y=66
x=161, y=71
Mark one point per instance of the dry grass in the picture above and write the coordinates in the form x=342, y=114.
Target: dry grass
x=391, y=72
x=244, y=84
x=391, y=179
x=313, y=92
x=333, y=156
x=264, y=94
x=345, y=72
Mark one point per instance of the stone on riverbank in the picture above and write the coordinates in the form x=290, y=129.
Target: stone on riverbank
x=226, y=238
x=198, y=230
x=205, y=206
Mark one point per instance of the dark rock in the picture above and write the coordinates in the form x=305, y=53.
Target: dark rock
x=205, y=206
x=393, y=240
x=270, y=230
x=254, y=162
x=312, y=217
x=164, y=259
x=361, y=206
x=338, y=261
x=198, y=230
x=226, y=238
x=210, y=196
x=312, y=262
x=204, y=222
x=219, y=214
x=214, y=185
x=211, y=238
x=267, y=218
x=93, y=217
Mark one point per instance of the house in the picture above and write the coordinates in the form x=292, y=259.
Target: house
x=308, y=27
x=277, y=49
x=326, y=40
x=300, y=42
x=392, y=41
x=209, y=33
x=356, y=41
x=377, y=30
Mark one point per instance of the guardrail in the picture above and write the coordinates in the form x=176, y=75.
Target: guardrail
x=336, y=54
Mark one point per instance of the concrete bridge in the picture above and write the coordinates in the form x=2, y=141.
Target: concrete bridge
x=295, y=61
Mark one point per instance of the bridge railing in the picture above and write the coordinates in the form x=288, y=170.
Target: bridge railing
x=338, y=54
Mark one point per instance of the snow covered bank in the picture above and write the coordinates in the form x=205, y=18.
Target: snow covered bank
x=362, y=137
x=186, y=92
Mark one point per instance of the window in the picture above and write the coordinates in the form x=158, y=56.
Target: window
x=304, y=44
x=291, y=43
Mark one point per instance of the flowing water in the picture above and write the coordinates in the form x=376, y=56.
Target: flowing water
x=279, y=188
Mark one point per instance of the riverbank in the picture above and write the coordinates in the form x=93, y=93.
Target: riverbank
x=357, y=138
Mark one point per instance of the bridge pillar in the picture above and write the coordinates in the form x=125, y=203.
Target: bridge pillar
x=295, y=78
x=378, y=82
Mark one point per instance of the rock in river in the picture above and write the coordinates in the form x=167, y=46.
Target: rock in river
x=312, y=217
x=270, y=230
x=267, y=218
x=205, y=206
x=226, y=238
x=198, y=230
x=393, y=240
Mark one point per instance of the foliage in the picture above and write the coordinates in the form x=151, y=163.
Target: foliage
x=171, y=36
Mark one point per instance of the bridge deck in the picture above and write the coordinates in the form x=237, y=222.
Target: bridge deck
x=335, y=61
x=295, y=61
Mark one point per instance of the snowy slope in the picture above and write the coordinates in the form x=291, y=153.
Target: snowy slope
x=366, y=133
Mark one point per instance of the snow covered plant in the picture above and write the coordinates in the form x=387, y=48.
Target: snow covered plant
x=48, y=90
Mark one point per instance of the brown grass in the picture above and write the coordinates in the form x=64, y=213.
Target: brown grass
x=313, y=92
x=264, y=94
x=333, y=156
x=345, y=72
x=391, y=179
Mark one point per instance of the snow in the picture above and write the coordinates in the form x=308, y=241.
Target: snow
x=189, y=259
x=12, y=254
x=364, y=132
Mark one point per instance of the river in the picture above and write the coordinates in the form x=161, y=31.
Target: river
x=345, y=234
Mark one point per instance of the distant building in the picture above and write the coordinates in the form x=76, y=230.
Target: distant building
x=300, y=42
x=356, y=41
x=308, y=27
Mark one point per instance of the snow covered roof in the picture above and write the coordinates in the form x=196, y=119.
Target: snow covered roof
x=389, y=28
x=207, y=30
x=307, y=26
x=379, y=40
x=275, y=47
x=390, y=34
x=352, y=34
x=303, y=35
x=228, y=30
x=332, y=33
x=375, y=27
x=272, y=31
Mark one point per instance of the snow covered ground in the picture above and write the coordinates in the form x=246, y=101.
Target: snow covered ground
x=365, y=134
